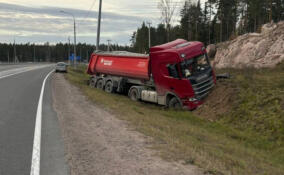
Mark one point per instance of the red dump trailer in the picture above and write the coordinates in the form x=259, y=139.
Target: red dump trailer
x=176, y=74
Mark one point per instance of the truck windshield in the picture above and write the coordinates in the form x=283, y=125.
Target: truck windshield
x=194, y=65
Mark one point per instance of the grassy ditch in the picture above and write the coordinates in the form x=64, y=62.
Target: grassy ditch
x=246, y=138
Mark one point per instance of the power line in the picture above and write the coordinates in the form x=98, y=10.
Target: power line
x=89, y=11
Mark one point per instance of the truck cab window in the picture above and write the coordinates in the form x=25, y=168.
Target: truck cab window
x=194, y=65
x=185, y=69
x=173, y=71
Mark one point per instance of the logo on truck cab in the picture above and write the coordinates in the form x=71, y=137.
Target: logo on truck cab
x=106, y=62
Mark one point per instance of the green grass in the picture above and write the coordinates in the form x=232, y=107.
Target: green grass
x=246, y=140
x=259, y=104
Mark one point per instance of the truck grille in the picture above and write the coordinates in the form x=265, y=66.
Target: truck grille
x=203, y=86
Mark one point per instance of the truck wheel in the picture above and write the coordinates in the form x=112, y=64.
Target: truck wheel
x=109, y=87
x=92, y=83
x=100, y=84
x=134, y=94
x=174, y=103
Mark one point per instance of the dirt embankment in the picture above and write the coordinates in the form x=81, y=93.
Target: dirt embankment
x=258, y=50
x=96, y=142
x=219, y=102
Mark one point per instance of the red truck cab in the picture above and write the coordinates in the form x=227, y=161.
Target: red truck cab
x=182, y=69
x=175, y=74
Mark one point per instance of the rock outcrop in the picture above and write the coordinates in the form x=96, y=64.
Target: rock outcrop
x=258, y=50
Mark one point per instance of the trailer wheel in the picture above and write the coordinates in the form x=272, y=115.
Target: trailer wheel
x=174, y=103
x=92, y=82
x=133, y=94
x=100, y=84
x=109, y=87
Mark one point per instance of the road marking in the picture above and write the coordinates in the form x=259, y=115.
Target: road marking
x=14, y=74
x=35, y=166
x=25, y=70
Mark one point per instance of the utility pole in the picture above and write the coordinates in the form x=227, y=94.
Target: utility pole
x=75, y=61
x=99, y=26
x=49, y=53
x=87, y=53
x=15, y=52
x=149, y=24
x=108, y=45
x=80, y=54
x=69, y=50
x=34, y=52
x=8, y=54
x=75, y=56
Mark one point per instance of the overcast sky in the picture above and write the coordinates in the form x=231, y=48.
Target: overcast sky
x=39, y=21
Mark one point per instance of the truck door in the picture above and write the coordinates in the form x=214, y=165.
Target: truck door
x=167, y=76
x=177, y=84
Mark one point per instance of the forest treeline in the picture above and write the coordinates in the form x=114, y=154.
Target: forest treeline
x=212, y=22
x=50, y=53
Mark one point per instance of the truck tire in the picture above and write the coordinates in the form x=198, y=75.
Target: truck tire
x=174, y=103
x=109, y=87
x=100, y=84
x=133, y=94
x=92, y=82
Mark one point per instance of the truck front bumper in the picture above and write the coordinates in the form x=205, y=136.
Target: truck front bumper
x=191, y=105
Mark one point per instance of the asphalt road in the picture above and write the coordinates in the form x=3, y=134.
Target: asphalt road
x=4, y=67
x=19, y=97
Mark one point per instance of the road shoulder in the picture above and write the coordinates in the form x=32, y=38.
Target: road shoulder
x=52, y=146
x=96, y=142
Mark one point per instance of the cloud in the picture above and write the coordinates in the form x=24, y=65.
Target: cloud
x=55, y=11
x=36, y=24
x=40, y=20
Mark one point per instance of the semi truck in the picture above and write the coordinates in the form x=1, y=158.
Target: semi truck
x=177, y=74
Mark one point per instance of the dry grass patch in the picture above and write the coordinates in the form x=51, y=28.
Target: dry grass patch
x=217, y=147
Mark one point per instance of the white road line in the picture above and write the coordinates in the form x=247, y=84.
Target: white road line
x=35, y=166
x=14, y=74
x=26, y=70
